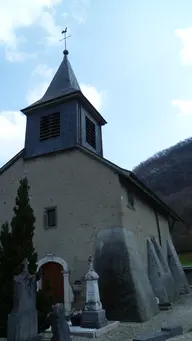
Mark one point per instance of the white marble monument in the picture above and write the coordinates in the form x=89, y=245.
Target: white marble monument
x=93, y=315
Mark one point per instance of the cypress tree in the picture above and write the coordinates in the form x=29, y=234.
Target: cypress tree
x=16, y=243
x=22, y=230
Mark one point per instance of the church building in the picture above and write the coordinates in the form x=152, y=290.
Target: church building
x=83, y=202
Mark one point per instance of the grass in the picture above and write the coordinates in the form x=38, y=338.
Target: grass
x=185, y=258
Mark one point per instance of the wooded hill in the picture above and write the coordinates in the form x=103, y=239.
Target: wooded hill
x=169, y=175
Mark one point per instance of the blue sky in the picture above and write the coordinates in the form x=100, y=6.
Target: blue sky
x=132, y=58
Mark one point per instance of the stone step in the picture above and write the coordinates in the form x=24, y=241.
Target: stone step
x=165, y=334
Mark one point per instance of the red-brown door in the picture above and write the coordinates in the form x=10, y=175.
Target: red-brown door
x=52, y=282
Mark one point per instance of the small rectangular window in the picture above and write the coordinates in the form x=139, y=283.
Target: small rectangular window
x=50, y=126
x=90, y=133
x=130, y=198
x=50, y=218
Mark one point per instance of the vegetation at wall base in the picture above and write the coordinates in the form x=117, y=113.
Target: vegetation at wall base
x=16, y=244
x=186, y=258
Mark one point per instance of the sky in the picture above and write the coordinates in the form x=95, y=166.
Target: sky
x=132, y=58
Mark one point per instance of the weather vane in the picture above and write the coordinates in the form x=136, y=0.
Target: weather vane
x=65, y=37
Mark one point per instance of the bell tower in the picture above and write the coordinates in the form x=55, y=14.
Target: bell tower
x=63, y=118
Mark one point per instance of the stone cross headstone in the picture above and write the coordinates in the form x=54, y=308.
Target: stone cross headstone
x=93, y=315
x=59, y=325
x=22, y=321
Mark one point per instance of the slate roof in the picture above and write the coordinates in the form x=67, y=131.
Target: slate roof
x=128, y=175
x=63, y=83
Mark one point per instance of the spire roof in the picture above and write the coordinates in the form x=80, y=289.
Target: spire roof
x=63, y=83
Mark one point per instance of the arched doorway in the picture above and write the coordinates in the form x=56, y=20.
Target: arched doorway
x=68, y=296
x=52, y=282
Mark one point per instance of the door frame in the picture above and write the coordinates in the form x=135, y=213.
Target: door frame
x=68, y=292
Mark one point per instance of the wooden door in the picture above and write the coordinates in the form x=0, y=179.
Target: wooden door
x=52, y=282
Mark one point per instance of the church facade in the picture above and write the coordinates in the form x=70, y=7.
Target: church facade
x=75, y=192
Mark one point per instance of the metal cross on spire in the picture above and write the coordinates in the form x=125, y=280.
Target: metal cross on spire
x=64, y=32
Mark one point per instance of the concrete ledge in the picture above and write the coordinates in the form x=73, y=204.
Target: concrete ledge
x=158, y=336
x=91, y=333
x=173, y=331
x=86, y=332
x=165, y=334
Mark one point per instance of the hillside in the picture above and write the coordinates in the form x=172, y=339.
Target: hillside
x=169, y=175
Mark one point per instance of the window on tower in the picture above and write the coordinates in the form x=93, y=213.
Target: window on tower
x=90, y=133
x=50, y=126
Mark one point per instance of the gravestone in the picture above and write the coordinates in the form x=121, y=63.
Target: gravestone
x=22, y=321
x=59, y=325
x=93, y=315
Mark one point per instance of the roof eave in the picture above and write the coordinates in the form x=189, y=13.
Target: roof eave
x=89, y=105
x=75, y=94
x=153, y=196
x=11, y=161
x=37, y=105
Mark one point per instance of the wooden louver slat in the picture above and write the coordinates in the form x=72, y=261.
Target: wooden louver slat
x=50, y=126
x=90, y=133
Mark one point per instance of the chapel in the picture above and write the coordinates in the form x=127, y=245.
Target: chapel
x=83, y=203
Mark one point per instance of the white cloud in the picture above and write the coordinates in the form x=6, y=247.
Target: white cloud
x=36, y=93
x=46, y=73
x=79, y=10
x=12, y=133
x=92, y=94
x=18, y=14
x=185, y=107
x=46, y=21
x=65, y=15
x=16, y=56
x=186, y=36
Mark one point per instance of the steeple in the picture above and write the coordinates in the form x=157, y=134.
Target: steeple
x=63, y=118
x=63, y=83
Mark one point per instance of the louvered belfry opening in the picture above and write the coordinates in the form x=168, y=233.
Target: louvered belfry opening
x=90, y=133
x=50, y=126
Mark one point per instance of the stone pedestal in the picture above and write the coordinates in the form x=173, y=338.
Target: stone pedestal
x=94, y=319
x=22, y=326
x=93, y=315
x=68, y=294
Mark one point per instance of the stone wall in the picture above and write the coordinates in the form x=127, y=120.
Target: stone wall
x=141, y=220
